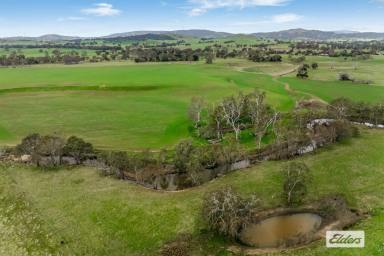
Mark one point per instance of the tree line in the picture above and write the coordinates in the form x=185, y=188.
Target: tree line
x=233, y=114
x=221, y=124
x=360, y=112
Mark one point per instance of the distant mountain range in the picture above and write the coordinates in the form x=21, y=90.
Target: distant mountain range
x=303, y=34
x=291, y=34
x=184, y=33
x=50, y=37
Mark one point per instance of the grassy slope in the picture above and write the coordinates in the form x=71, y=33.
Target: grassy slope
x=329, y=90
x=118, y=106
x=330, y=68
x=102, y=216
x=126, y=106
x=324, y=83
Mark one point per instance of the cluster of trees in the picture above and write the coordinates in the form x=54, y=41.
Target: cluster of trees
x=289, y=131
x=302, y=71
x=233, y=114
x=112, y=49
x=356, y=49
x=19, y=59
x=186, y=158
x=49, y=150
x=134, y=166
x=75, y=45
x=194, y=160
x=165, y=54
x=262, y=56
x=295, y=136
x=296, y=58
x=360, y=112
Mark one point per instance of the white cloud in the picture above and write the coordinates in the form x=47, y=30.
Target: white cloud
x=71, y=18
x=197, y=12
x=102, y=9
x=277, y=19
x=286, y=18
x=202, y=6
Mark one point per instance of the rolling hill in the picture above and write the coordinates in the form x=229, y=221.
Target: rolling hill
x=303, y=34
x=291, y=34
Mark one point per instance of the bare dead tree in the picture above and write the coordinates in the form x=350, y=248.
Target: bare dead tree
x=262, y=116
x=52, y=146
x=339, y=108
x=226, y=212
x=216, y=116
x=296, y=179
x=233, y=109
x=195, y=109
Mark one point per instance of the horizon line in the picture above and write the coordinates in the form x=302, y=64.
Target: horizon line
x=346, y=31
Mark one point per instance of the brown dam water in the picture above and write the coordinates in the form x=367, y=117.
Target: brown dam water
x=282, y=231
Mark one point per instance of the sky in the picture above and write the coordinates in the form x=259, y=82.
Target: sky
x=104, y=17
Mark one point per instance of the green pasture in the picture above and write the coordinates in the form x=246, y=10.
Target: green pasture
x=330, y=68
x=330, y=90
x=127, y=106
x=83, y=213
x=118, y=106
x=134, y=106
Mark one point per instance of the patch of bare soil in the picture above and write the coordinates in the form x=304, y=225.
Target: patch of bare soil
x=311, y=104
x=315, y=101
x=285, y=72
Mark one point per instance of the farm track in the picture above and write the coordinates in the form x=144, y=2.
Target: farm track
x=287, y=87
x=293, y=92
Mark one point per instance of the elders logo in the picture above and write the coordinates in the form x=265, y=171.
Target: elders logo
x=345, y=239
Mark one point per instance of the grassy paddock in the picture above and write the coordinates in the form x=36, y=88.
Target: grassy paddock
x=135, y=106
x=102, y=216
x=118, y=106
x=329, y=90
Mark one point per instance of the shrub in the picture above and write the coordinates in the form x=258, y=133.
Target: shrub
x=181, y=246
x=286, y=146
x=344, y=130
x=119, y=163
x=78, y=149
x=298, y=59
x=194, y=170
x=302, y=72
x=183, y=153
x=226, y=212
x=50, y=147
x=29, y=144
x=296, y=178
x=340, y=108
x=356, y=111
x=345, y=77
x=44, y=150
x=138, y=166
